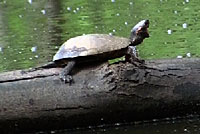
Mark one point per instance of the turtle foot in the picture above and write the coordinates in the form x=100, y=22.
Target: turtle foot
x=141, y=61
x=66, y=78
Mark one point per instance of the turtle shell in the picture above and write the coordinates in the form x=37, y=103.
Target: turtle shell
x=91, y=44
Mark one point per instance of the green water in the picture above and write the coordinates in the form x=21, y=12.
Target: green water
x=46, y=24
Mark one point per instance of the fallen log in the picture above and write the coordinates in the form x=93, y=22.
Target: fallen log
x=102, y=94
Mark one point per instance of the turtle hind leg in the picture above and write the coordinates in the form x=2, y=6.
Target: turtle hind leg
x=65, y=74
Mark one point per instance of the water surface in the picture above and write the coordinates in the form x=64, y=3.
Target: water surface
x=167, y=126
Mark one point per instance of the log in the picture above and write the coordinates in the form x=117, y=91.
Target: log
x=102, y=94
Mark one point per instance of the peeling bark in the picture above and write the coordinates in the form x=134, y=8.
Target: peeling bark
x=102, y=93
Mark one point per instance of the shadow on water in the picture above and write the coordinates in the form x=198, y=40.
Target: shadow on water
x=168, y=126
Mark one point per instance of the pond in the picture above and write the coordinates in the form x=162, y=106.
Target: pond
x=31, y=31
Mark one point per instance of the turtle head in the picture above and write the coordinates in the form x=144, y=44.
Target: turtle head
x=139, y=32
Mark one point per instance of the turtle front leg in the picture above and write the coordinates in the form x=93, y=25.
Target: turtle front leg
x=132, y=56
x=65, y=74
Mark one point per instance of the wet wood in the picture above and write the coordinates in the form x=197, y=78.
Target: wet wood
x=102, y=94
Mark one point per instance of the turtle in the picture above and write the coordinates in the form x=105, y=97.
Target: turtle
x=99, y=47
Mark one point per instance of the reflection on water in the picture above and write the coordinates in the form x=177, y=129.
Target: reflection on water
x=46, y=24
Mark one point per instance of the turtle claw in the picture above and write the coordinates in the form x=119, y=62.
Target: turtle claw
x=66, y=78
x=138, y=62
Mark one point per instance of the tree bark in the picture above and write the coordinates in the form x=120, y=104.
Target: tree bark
x=102, y=94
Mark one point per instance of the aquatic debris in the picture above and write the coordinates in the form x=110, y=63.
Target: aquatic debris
x=169, y=31
x=179, y=57
x=175, y=12
x=112, y=0
x=34, y=49
x=126, y=23
x=117, y=14
x=53, y=132
x=30, y=1
x=74, y=11
x=188, y=55
x=69, y=8
x=43, y=11
x=1, y=49
x=117, y=124
x=184, y=25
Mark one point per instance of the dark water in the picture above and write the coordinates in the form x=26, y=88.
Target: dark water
x=31, y=32
x=166, y=126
